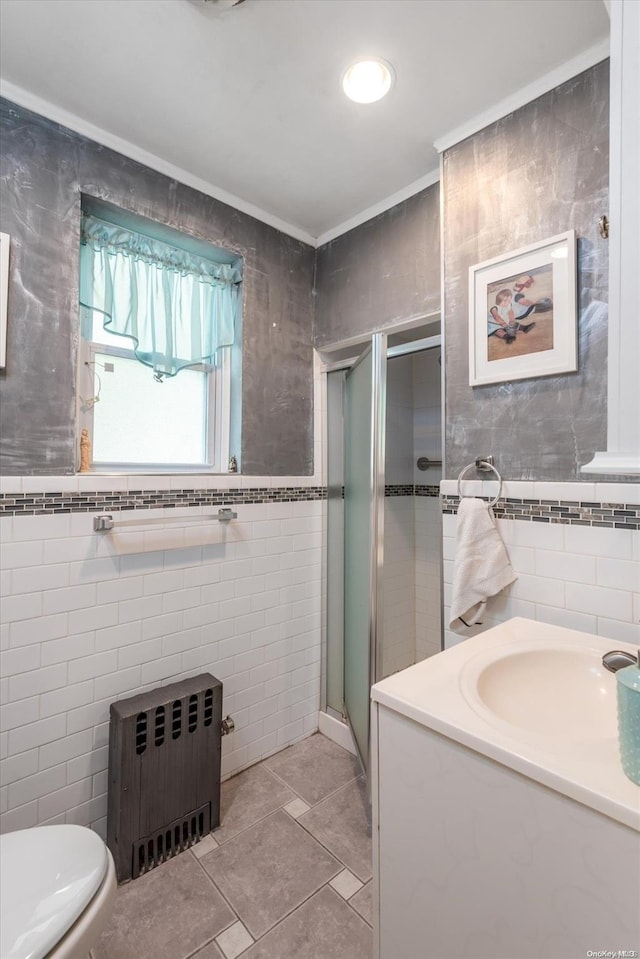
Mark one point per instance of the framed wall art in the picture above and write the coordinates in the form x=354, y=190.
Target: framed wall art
x=523, y=314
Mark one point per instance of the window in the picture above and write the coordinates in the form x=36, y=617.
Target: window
x=159, y=324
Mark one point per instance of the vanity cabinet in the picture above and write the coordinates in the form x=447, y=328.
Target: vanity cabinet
x=474, y=859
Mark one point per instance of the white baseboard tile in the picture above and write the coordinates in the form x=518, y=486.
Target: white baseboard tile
x=337, y=731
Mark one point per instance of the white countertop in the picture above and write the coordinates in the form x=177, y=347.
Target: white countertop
x=588, y=770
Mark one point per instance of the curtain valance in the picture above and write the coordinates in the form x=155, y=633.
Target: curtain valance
x=100, y=235
x=176, y=307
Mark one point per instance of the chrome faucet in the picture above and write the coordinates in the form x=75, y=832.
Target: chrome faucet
x=616, y=660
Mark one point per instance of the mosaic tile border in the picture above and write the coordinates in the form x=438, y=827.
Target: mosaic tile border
x=411, y=489
x=577, y=513
x=399, y=489
x=422, y=490
x=394, y=489
x=39, y=504
x=569, y=512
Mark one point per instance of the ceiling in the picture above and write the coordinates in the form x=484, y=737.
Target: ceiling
x=244, y=102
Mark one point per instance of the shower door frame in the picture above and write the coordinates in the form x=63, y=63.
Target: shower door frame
x=377, y=558
x=378, y=396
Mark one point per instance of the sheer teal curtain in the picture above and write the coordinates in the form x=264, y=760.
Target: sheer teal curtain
x=175, y=307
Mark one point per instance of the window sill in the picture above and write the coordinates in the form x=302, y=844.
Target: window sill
x=155, y=471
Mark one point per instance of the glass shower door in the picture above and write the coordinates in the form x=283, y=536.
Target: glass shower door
x=365, y=398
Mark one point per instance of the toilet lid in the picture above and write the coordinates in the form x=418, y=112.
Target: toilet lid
x=48, y=876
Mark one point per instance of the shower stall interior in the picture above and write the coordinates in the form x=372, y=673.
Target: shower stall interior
x=383, y=569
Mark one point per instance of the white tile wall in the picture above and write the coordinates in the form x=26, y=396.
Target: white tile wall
x=398, y=608
x=427, y=576
x=411, y=607
x=427, y=415
x=427, y=441
x=399, y=421
x=580, y=577
x=89, y=618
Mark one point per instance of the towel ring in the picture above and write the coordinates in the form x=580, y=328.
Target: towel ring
x=485, y=466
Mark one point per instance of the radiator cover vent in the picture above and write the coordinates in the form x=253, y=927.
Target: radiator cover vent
x=164, y=772
x=178, y=836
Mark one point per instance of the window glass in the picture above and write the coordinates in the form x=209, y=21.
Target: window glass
x=140, y=421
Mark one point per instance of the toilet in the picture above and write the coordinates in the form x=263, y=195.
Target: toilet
x=57, y=885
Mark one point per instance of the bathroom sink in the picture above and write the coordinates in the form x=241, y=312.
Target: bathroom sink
x=533, y=697
x=561, y=693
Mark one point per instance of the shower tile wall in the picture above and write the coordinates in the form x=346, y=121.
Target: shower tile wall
x=89, y=618
x=399, y=523
x=412, y=534
x=427, y=576
x=427, y=441
x=398, y=647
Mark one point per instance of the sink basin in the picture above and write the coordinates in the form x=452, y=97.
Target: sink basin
x=561, y=693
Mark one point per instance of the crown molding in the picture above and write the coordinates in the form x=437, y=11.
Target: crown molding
x=408, y=191
x=566, y=71
x=31, y=101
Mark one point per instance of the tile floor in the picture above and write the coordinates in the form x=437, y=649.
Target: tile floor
x=287, y=875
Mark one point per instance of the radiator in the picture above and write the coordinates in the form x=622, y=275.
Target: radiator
x=164, y=772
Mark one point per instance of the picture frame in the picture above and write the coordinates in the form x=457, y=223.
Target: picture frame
x=5, y=244
x=523, y=313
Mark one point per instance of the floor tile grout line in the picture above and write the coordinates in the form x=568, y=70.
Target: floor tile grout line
x=238, y=917
x=336, y=791
x=331, y=853
x=317, y=803
x=278, y=752
x=204, y=945
x=302, y=826
x=338, y=788
x=348, y=902
x=334, y=855
x=284, y=783
x=222, y=842
x=194, y=955
x=221, y=893
x=295, y=909
x=281, y=919
x=277, y=778
x=263, y=762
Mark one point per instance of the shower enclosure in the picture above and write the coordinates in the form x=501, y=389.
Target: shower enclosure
x=383, y=572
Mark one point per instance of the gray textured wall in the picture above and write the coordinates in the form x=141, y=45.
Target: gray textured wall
x=538, y=172
x=380, y=273
x=45, y=168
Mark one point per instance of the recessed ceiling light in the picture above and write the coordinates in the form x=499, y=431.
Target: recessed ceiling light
x=367, y=80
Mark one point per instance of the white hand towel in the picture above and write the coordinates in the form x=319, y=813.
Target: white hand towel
x=481, y=567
